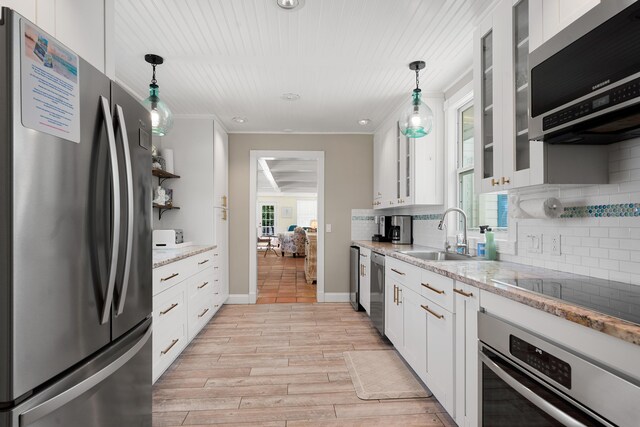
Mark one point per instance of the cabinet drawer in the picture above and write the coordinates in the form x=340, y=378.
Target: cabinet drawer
x=403, y=272
x=167, y=345
x=204, y=260
x=201, y=283
x=437, y=288
x=200, y=311
x=168, y=275
x=169, y=307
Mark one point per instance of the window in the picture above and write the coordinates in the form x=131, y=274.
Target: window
x=306, y=211
x=267, y=219
x=483, y=209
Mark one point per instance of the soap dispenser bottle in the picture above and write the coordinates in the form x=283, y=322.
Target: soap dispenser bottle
x=481, y=249
x=490, y=248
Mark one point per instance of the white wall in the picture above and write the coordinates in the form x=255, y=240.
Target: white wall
x=85, y=26
x=192, y=144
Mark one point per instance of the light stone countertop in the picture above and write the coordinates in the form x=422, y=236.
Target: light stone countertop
x=167, y=256
x=485, y=274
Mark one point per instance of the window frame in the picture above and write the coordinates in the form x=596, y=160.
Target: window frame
x=261, y=205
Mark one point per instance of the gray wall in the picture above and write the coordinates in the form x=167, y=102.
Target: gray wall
x=348, y=185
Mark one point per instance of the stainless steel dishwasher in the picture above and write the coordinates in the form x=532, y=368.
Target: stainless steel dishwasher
x=377, y=291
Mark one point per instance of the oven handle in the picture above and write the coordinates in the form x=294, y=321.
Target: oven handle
x=528, y=394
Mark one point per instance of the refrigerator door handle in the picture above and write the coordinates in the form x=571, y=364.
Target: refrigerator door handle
x=34, y=414
x=115, y=182
x=129, y=177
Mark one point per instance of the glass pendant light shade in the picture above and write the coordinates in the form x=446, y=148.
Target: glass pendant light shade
x=161, y=117
x=417, y=120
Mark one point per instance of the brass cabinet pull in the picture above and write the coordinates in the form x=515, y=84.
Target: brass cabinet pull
x=399, y=291
x=216, y=293
x=494, y=182
x=203, y=262
x=363, y=255
x=224, y=215
x=396, y=271
x=215, y=254
x=438, y=291
x=463, y=293
x=364, y=270
x=164, y=279
x=174, y=305
x=166, y=350
x=505, y=180
x=439, y=316
x=203, y=285
x=203, y=313
x=395, y=294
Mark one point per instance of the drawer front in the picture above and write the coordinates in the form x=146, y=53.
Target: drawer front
x=204, y=260
x=169, y=307
x=168, y=275
x=167, y=345
x=200, y=311
x=201, y=283
x=402, y=272
x=437, y=288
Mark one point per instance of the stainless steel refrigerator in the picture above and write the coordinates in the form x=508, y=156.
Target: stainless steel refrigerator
x=75, y=239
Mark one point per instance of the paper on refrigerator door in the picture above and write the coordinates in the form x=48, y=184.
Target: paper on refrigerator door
x=49, y=84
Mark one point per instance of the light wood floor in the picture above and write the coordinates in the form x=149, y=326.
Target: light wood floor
x=280, y=365
x=281, y=279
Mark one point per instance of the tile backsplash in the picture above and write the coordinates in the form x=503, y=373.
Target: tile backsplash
x=599, y=229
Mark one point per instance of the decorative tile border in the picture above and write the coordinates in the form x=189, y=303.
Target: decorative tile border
x=362, y=218
x=598, y=211
x=428, y=217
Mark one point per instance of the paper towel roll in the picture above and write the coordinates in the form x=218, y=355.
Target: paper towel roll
x=167, y=154
x=541, y=208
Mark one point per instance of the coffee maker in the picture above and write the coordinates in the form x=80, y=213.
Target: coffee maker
x=384, y=229
x=401, y=230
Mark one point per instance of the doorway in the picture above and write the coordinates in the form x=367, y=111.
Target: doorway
x=286, y=249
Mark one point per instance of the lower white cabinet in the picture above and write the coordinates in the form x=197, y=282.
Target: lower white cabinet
x=365, y=278
x=186, y=295
x=467, y=305
x=421, y=326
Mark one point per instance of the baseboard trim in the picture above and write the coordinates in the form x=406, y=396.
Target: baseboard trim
x=238, y=299
x=336, y=297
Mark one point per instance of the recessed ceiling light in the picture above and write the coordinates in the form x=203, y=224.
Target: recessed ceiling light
x=290, y=4
x=240, y=119
x=364, y=122
x=290, y=96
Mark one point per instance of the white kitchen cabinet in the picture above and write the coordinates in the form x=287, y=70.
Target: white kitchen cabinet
x=548, y=17
x=365, y=278
x=86, y=27
x=414, y=349
x=504, y=156
x=409, y=171
x=440, y=351
x=393, y=317
x=467, y=305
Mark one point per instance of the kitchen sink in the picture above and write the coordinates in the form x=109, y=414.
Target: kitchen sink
x=440, y=256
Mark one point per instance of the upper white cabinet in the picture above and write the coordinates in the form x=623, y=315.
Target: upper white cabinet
x=87, y=27
x=551, y=16
x=505, y=158
x=409, y=171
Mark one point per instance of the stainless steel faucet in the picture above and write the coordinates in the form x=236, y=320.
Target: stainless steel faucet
x=465, y=241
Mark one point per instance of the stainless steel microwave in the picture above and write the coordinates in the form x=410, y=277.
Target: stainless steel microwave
x=585, y=81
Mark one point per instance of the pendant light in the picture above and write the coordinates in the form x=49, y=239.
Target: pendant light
x=417, y=120
x=161, y=117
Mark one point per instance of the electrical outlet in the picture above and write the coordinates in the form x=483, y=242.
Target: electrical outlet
x=328, y=228
x=534, y=243
x=555, y=244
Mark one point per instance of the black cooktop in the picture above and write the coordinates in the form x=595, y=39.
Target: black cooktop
x=616, y=299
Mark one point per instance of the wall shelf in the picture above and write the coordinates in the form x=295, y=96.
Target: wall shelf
x=163, y=175
x=162, y=209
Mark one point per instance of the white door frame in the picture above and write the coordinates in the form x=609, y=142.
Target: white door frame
x=253, y=230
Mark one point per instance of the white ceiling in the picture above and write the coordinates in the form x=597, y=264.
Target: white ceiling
x=346, y=58
x=287, y=176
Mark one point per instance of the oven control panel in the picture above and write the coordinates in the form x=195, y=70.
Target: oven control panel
x=546, y=363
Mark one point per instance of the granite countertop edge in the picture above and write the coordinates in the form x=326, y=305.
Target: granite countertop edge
x=177, y=254
x=609, y=325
